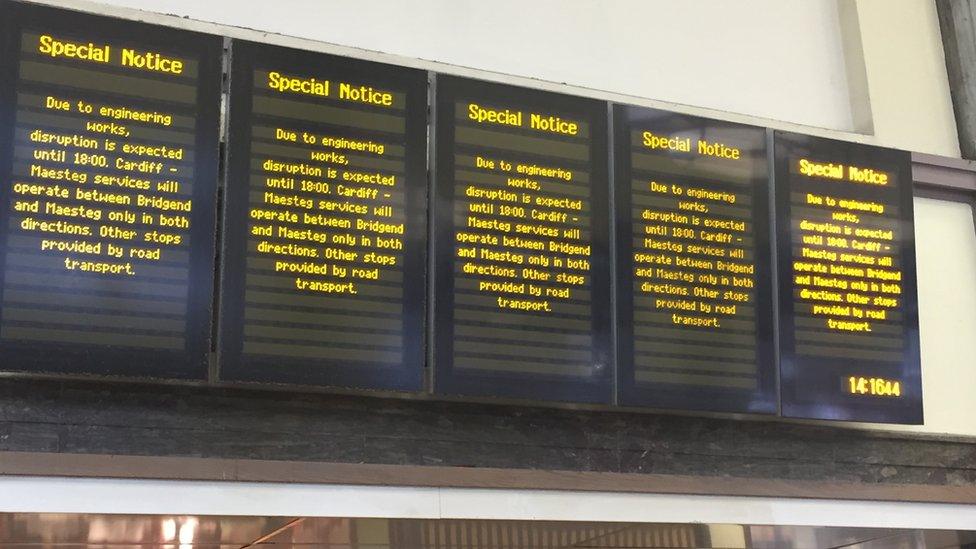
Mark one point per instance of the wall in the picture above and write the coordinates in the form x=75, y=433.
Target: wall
x=868, y=73
x=907, y=84
x=119, y=419
x=741, y=57
x=174, y=498
x=946, y=252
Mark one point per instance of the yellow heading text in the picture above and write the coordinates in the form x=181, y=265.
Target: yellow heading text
x=324, y=88
x=683, y=144
x=854, y=174
x=102, y=53
x=508, y=117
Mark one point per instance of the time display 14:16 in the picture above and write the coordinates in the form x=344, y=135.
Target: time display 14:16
x=872, y=386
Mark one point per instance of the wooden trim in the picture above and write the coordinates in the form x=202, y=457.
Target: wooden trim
x=235, y=470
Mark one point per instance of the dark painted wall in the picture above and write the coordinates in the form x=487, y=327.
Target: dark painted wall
x=89, y=417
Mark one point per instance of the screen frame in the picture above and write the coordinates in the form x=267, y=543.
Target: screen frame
x=764, y=400
x=448, y=380
x=192, y=363
x=233, y=365
x=907, y=411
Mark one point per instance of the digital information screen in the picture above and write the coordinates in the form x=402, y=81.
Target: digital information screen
x=109, y=174
x=849, y=345
x=325, y=221
x=694, y=301
x=521, y=238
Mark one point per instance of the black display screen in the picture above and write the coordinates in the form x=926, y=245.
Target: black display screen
x=521, y=228
x=848, y=305
x=325, y=221
x=108, y=159
x=694, y=292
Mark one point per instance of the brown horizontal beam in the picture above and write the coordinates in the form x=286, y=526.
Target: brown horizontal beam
x=942, y=172
x=235, y=470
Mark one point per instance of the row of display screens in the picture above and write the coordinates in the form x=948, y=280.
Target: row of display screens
x=534, y=257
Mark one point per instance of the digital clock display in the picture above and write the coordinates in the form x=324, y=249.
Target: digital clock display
x=872, y=386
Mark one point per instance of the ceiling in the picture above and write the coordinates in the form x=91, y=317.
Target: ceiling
x=81, y=531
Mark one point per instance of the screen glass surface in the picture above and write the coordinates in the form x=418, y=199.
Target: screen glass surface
x=325, y=221
x=108, y=159
x=849, y=346
x=694, y=282
x=521, y=227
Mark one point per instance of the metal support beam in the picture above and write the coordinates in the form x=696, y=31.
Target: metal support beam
x=958, y=21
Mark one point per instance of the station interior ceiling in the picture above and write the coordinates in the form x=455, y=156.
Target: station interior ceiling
x=89, y=531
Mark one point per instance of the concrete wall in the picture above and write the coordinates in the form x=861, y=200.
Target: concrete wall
x=946, y=240
x=731, y=56
x=908, y=88
x=866, y=70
